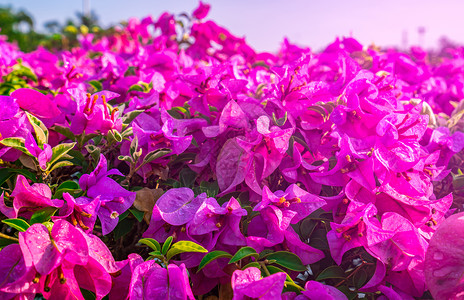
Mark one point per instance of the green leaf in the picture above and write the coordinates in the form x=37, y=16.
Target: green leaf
x=187, y=177
x=127, y=132
x=41, y=131
x=287, y=260
x=184, y=246
x=16, y=143
x=88, y=295
x=280, y=121
x=331, y=272
x=136, y=87
x=23, y=71
x=273, y=270
x=360, y=278
x=209, y=257
x=253, y=264
x=152, y=243
x=123, y=228
x=242, y=253
x=64, y=131
x=97, y=85
x=94, y=152
x=156, y=254
x=18, y=224
x=129, y=117
x=68, y=186
x=63, y=163
x=134, y=145
x=265, y=252
x=123, y=215
x=156, y=154
x=42, y=215
x=292, y=286
x=59, y=151
x=166, y=245
x=88, y=137
x=113, y=136
x=78, y=159
x=125, y=158
x=5, y=242
x=137, y=214
x=349, y=293
x=7, y=173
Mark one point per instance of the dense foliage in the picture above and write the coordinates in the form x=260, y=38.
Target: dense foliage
x=168, y=160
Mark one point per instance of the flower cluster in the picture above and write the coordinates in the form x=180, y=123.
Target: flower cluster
x=170, y=160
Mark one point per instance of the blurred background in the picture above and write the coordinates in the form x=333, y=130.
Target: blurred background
x=264, y=23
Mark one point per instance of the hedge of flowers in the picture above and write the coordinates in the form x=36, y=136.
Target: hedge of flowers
x=170, y=160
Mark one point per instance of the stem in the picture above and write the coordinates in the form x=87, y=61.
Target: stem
x=8, y=237
x=263, y=265
x=354, y=272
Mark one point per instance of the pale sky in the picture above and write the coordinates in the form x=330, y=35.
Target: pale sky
x=264, y=23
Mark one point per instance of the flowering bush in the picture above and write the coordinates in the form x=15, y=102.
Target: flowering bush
x=170, y=160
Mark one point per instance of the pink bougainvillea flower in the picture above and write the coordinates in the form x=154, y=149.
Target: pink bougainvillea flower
x=201, y=11
x=223, y=220
x=43, y=155
x=120, y=287
x=249, y=283
x=352, y=232
x=27, y=199
x=13, y=123
x=61, y=261
x=172, y=212
x=79, y=211
x=114, y=199
x=398, y=147
x=404, y=245
x=13, y=269
x=93, y=114
x=268, y=228
x=294, y=198
x=151, y=281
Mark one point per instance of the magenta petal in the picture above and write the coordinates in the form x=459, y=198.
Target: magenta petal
x=12, y=266
x=73, y=290
x=70, y=242
x=201, y=11
x=248, y=283
x=156, y=285
x=444, y=264
x=9, y=107
x=36, y=103
x=7, y=211
x=94, y=277
x=38, y=249
x=377, y=278
x=139, y=276
x=178, y=206
x=317, y=290
x=179, y=286
x=100, y=252
x=232, y=165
